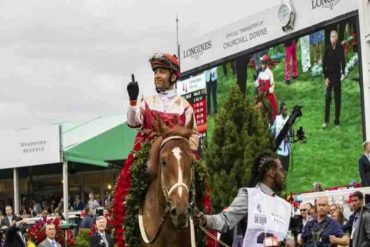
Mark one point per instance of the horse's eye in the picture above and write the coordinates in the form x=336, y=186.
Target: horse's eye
x=163, y=162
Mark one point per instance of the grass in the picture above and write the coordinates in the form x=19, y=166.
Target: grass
x=330, y=155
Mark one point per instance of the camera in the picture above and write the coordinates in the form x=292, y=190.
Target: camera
x=296, y=225
x=296, y=113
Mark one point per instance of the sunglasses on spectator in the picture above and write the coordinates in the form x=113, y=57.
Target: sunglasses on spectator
x=302, y=210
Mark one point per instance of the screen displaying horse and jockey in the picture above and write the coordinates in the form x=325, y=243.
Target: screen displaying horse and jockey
x=318, y=71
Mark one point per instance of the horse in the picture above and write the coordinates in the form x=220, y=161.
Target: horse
x=266, y=104
x=164, y=218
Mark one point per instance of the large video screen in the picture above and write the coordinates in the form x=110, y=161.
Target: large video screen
x=293, y=73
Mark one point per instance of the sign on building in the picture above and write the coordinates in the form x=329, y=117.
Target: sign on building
x=30, y=147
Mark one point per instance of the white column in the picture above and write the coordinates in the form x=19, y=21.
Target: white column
x=16, y=191
x=65, y=189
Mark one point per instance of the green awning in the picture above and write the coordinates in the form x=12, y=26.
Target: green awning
x=97, y=141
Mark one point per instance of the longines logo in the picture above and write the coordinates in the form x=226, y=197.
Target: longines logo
x=330, y=4
x=198, y=50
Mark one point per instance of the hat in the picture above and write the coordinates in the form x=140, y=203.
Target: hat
x=167, y=61
x=265, y=58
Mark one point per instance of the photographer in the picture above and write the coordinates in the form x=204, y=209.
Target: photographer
x=284, y=149
x=100, y=238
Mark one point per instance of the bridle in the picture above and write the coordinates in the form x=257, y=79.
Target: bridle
x=166, y=193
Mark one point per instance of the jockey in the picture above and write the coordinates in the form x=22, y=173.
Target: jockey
x=171, y=108
x=266, y=86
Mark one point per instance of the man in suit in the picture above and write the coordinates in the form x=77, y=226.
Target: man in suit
x=360, y=234
x=364, y=164
x=100, y=238
x=88, y=220
x=9, y=218
x=14, y=236
x=50, y=241
x=78, y=205
x=364, y=167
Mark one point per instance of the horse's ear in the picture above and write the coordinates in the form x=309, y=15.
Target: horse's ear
x=162, y=128
x=190, y=125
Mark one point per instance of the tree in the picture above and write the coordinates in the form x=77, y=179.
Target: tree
x=240, y=134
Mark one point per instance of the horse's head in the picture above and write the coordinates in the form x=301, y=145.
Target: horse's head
x=174, y=170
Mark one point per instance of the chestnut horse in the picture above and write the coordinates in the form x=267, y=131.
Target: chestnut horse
x=164, y=217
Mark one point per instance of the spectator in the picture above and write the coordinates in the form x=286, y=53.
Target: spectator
x=44, y=215
x=59, y=216
x=322, y=230
x=317, y=47
x=317, y=187
x=108, y=200
x=78, y=205
x=290, y=55
x=211, y=84
x=336, y=213
x=312, y=210
x=52, y=206
x=92, y=203
x=36, y=207
x=334, y=69
x=24, y=211
x=360, y=234
x=304, y=209
x=364, y=167
x=60, y=206
x=9, y=217
x=50, y=237
x=100, y=238
x=14, y=235
x=88, y=220
x=106, y=214
x=241, y=67
x=45, y=205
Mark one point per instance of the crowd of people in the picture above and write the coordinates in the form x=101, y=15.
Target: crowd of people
x=33, y=208
x=92, y=215
x=14, y=230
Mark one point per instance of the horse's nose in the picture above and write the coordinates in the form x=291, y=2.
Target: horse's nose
x=179, y=216
x=183, y=211
x=173, y=212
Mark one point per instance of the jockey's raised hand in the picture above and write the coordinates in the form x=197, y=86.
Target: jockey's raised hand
x=133, y=90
